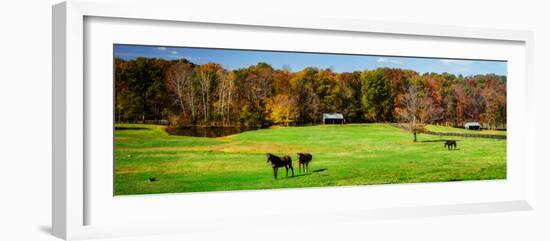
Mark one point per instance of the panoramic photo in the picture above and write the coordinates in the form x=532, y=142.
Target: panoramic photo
x=190, y=119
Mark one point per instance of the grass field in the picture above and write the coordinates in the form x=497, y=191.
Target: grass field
x=352, y=154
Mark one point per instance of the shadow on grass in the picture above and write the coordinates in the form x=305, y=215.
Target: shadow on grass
x=455, y=180
x=308, y=173
x=441, y=140
x=121, y=128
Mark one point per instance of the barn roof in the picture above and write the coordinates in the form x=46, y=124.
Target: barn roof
x=472, y=124
x=333, y=116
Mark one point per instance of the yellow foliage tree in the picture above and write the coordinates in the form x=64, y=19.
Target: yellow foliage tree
x=281, y=109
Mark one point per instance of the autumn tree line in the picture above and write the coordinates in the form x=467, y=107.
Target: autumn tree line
x=182, y=93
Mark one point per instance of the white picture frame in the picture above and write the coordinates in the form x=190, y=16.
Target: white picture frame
x=72, y=192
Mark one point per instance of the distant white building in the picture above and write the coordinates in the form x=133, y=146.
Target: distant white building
x=333, y=118
x=472, y=126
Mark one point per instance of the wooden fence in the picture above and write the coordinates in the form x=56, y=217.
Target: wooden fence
x=465, y=134
x=492, y=136
x=154, y=122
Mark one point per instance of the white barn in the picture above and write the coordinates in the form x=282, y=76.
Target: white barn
x=472, y=126
x=333, y=118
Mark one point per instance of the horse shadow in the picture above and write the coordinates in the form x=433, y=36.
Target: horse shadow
x=441, y=140
x=308, y=173
x=438, y=140
x=428, y=141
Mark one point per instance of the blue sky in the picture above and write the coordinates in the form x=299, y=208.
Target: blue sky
x=234, y=59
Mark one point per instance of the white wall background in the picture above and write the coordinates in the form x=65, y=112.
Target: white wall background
x=25, y=119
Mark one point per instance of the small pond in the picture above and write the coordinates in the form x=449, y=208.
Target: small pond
x=207, y=131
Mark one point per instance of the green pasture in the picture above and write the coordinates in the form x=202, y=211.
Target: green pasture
x=353, y=154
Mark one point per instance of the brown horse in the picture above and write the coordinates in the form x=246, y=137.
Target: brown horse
x=277, y=162
x=303, y=161
x=450, y=144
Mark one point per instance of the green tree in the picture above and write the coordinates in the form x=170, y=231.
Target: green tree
x=307, y=100
x=376, y=97
x=145, y=85
x=350, y=96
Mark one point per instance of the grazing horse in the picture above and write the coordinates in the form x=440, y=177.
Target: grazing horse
x=303, y=161
x=277, y=162
x=450, y=144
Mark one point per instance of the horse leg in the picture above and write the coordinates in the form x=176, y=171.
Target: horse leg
x=275, y=172
x=292, y=168
x=286, y=167
x=307, y=167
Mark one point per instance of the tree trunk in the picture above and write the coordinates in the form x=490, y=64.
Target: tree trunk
x=207, y=104
x=221, y=97
x=229, y=105
x=191, y=98
x=203, y=100
x=180, y=96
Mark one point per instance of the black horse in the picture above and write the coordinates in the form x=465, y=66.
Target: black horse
x=450, y=144
x=303, y=161
x=277, y=162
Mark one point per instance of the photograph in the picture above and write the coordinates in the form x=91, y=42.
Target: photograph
x=200, y=119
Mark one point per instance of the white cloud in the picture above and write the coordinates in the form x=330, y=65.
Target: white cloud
x=174, y=52
x=161, y=48
x=389, y=60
